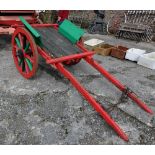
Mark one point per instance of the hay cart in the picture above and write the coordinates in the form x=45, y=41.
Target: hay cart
x=11, y=17
x=61, y=45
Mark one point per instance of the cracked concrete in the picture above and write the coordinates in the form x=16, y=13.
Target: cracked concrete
x=48, y=110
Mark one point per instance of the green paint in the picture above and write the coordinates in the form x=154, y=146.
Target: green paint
x=27, y=47
x=35, y=34
x=17, y=42
x=70, y=31
x=19, y=61
x=29, y=63
x=29, y=27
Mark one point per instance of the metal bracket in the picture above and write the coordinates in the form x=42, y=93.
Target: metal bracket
x=124, y=96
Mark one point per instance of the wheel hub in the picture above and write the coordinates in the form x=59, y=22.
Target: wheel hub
x=20, y=54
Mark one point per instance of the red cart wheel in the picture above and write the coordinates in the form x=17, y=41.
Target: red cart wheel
x=24, y=51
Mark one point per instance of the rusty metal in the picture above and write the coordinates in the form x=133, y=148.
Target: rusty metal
x=136, y=32
x=137, y=25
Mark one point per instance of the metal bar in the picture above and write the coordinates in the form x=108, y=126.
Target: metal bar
x=113, y=80
x=70, y=57
x=92, y=101
x=45, y=25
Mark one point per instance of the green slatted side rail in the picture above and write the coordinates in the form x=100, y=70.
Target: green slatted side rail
x=70, y=31
x=35, y=34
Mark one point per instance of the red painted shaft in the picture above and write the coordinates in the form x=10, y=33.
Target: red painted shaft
x=113, y=80
x=69, y=57
x=140, y=103
x=92, y=101
x=118, y=84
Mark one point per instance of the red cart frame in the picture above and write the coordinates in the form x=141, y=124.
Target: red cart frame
x=19, y=52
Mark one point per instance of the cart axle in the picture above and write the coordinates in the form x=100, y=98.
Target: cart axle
x=70, y=57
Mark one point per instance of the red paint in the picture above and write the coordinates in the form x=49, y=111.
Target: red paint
x=6, y=30
x=58, y=64
x=114, y=81
x=63, y=14
x=92, y=101
x=70, y=57
x=83, y=91
x=20, y=33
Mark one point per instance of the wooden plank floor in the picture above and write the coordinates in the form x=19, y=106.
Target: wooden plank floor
x=55, y=44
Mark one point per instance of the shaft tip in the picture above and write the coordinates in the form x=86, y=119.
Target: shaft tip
x=124, y=137
x=149, y=111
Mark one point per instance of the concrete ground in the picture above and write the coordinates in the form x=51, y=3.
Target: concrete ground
x=48, y=110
